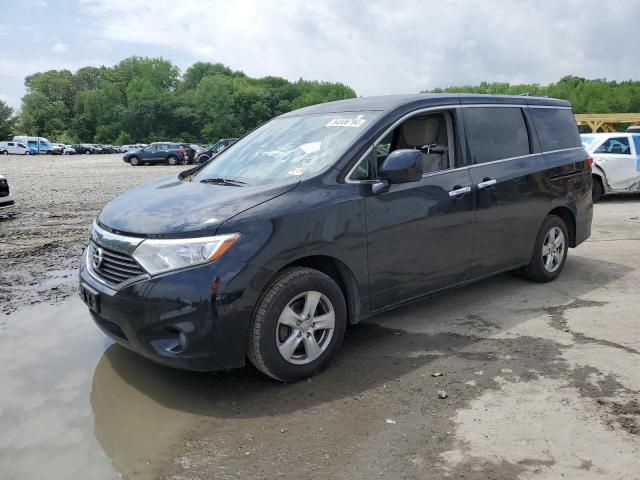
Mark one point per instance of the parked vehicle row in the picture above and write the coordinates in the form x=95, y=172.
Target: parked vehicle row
x=327, y=215
x=175, y=153
x=616, y=162
x=168, y=152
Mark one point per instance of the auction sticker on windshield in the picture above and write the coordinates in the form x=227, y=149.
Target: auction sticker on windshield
x=296, y=171
x=347, y=122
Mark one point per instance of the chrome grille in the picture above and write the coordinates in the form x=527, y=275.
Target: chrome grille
x=111, y=266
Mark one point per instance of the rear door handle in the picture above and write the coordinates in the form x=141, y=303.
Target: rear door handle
x=459, y=191
x=487, y=183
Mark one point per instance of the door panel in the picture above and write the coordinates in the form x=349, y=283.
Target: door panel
x=419, y=238
x=618, y=157
x=508, y=212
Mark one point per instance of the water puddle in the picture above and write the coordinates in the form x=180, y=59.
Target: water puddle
x=65, y=413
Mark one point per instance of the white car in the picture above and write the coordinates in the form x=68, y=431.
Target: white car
x=616, y=162
x=131, y=148
x=6, y=195
x=14, y=148
x=67, y=149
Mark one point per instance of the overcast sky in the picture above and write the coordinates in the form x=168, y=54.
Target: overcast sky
x=375, y=46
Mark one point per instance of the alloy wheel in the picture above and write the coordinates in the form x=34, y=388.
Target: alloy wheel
x=553, y=249
x=305, y=328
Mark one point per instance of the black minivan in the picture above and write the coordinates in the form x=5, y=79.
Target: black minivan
x=329, y=214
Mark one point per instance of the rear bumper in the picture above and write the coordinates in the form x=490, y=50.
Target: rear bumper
x=195, y=319
x=584, y=215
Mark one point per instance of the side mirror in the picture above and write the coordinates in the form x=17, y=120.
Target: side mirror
x=402, y=166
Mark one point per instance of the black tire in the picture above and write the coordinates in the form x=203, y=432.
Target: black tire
x=5, y=152
x=537, y=269
x=597, y=190
x=185, y=161
x=87, y=152
x=262, y=346
x=172, y=160
x=134, y=161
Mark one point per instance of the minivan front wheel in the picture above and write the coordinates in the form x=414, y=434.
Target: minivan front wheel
x=550, y=251
x=298, y=325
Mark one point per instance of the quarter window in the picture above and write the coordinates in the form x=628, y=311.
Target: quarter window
x=616, y=145
x=556, y=128
x=495, y=133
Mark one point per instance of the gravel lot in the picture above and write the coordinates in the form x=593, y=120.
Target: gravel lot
x=541, y=380
x=41, y=238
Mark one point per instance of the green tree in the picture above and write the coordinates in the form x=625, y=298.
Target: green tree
x=7, y=120
x=147, y=99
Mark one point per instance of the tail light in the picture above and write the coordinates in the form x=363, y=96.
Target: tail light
x=589, y=161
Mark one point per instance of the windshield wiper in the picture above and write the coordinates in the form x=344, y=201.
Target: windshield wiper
x=224, y=181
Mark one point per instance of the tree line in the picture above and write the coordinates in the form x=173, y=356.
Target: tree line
x=149, y=99
x=586, y=96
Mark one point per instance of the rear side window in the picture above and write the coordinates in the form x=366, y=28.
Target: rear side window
x=556, y=128
x=495, y=133
x=615, y=145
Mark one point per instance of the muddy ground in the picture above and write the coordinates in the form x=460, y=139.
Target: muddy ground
x=541, y=381
x=42, y=237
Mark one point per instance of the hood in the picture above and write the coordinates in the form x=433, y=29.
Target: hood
x=170, y=207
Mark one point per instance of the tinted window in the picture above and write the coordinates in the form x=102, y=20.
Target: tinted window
x=556, y=128
x=10, y=144
x=616, y=145
x=495, y=133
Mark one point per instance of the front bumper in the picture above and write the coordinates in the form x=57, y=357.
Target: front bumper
x=193, y=319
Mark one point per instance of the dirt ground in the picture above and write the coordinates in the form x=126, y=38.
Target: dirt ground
x=541, y=381
x=58, y=198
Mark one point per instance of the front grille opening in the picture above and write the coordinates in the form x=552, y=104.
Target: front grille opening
x=110, y=327
x=111, y=266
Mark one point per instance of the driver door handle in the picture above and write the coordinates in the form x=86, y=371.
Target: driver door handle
x=459, y=191
x=487, y=183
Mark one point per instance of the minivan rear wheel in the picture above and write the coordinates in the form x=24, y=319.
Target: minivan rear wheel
x=550, y=251
x=298, y=325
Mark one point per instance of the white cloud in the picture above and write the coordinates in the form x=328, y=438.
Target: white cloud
x=59, y=47
x=385, y=47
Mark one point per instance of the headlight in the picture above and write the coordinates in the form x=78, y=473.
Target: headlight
x=157, y=256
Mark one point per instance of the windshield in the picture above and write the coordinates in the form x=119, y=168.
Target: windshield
x=288, y=147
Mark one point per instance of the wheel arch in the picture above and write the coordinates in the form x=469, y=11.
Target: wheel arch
x=569, y=219
x=598, y=172
x=340, y=273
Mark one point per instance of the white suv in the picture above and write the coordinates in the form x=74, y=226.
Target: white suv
x=616, y=162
